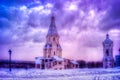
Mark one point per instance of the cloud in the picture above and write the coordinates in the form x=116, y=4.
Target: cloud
x=4, y=23
x=112, y=19
x=23, y=18
x=20, y=22
x=79, y=21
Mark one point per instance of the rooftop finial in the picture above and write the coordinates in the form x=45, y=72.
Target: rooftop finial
x=107, y=35
x=10, y=51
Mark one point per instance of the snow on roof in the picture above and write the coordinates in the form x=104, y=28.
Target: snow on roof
x=74, y=62
x=37, y=61
x=58, y=58
x=58, y=46
x=39, y=58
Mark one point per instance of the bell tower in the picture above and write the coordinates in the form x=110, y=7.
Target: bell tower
x=52, y=46
x=108, y=61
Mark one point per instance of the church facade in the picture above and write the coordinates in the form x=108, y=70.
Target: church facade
x=52, y=52
x=52, y=46
x=108, y=60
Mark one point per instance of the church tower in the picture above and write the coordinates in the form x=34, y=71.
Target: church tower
x=108, y=61
x=52, y=46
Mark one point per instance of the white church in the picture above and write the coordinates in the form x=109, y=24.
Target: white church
x=52, y=52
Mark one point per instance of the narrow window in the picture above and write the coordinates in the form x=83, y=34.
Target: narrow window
x=48, y=56
x=54, y=52
x=60, y=62
x=107, y=52
x=54, y=39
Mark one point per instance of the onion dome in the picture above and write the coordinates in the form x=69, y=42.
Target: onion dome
x=107, y=40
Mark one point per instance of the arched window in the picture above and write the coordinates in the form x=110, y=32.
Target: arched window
x=54, y=39
x=107, y=52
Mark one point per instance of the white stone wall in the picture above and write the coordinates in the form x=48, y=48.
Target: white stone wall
x=58, y=66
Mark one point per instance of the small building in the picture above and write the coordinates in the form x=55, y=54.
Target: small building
x=117, y=60
x=74, y=64
x=38, y=62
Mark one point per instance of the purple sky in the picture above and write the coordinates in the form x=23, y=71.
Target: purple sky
x=82, y=25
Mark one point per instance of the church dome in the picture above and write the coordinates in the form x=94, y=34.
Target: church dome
x=107, y=40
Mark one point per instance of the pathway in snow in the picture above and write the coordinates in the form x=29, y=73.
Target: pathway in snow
x=71, y=74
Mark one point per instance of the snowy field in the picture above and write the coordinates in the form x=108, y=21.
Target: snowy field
x=71, y=74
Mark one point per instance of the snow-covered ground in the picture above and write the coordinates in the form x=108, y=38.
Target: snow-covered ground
x=70, y=74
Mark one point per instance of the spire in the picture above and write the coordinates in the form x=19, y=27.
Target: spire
x=52, y=20
x=52, y=28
